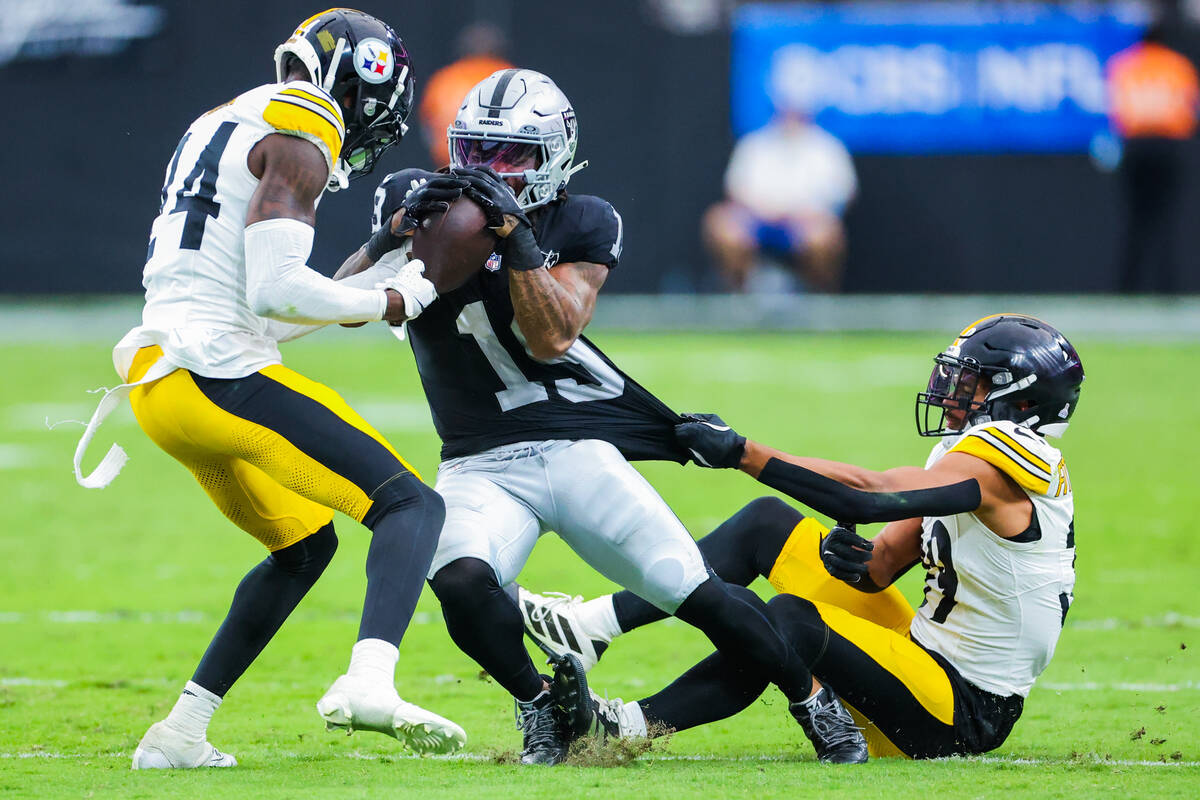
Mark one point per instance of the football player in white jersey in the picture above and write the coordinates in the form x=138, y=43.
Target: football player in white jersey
x=990, y=517
x=226, y=279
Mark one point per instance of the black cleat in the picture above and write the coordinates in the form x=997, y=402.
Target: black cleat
x=544, y=743
x=830, y=728
x=572, y=699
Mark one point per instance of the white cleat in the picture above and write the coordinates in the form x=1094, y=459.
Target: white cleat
x=352, y=705
x=616, y=719
x=565, y=624
x=164, y=747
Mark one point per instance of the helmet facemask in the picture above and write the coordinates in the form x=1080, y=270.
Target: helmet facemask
x=373, y=123
x=365, y=68
x=952, y=388
x=541, y=163
x=518, y=123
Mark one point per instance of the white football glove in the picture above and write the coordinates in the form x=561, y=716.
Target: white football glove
x=412, y=285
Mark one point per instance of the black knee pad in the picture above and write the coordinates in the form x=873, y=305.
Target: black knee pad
x=404, y=491
x=771, y=513
x=464, y=582
x=801, y=626
x=310, y=555
x=747, y=544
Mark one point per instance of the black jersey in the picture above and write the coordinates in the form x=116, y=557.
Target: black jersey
x=486, y=390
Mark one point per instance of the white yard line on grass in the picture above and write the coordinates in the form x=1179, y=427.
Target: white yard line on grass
x=1119, y=686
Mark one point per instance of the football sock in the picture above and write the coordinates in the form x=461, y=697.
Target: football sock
x=486, y=625
x=405, y=521
x=633, y=612
x=632, y=720
x=263, y=600
x=736, y=621
x=600, y=615
x=718, y=687
x=192, y=712
x=741, y=548
x=375, y=660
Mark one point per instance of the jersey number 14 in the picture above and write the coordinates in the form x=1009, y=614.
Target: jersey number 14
x=196, y=195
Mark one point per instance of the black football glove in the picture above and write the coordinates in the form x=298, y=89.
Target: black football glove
x=518, y=247
x=424, y=197
x=845, y=554
x=711, y=442
x=433, y=195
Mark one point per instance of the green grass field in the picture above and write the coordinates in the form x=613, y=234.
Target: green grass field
x=109, y=597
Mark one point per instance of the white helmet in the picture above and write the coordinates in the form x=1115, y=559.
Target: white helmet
x=520, y=124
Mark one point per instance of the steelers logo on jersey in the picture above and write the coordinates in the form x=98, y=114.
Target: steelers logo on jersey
x=373, y=61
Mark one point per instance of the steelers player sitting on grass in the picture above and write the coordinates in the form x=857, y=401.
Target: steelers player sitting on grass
x=989, y=518
x=227, y=280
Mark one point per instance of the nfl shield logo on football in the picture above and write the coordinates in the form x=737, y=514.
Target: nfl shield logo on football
x=373, y=61
x=493, y=262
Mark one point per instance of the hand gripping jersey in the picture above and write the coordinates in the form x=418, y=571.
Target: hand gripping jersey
x=995, y=607
x=485, y=389
x=195, y=274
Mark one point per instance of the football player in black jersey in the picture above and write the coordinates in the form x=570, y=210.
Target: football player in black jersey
x=537, y=425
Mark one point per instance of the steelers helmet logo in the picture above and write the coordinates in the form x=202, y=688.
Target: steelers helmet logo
x=373, y=61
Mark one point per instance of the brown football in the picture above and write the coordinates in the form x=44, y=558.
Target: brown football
x=453, y=245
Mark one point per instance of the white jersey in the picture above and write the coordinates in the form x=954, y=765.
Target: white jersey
x=195, y=274
x=995, y=607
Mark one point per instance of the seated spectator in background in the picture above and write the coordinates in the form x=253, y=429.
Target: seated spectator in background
x=480, y=48
x=786, y=187
x=1153, y=102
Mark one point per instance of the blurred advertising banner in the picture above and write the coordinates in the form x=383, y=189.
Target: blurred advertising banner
x=932, y=77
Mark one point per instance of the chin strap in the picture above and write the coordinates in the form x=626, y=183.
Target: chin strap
x=575, y=169
x=339, y=178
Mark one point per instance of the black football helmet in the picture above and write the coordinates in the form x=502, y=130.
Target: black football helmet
x=367, y=71
x=1033, y=378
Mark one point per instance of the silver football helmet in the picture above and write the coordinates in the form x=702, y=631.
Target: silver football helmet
x=520, y=124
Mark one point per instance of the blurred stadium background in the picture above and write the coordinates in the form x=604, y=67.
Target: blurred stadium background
x=978, y=129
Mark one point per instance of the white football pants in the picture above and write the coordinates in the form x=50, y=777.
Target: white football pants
x=500, y=501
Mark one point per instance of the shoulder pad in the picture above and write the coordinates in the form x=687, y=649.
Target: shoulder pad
x=303, y=109
x=1018, y=452
x=600, y=231
x=390, y=194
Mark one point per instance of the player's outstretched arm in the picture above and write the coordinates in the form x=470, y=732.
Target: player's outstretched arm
x=846, y=492
x=280, y=285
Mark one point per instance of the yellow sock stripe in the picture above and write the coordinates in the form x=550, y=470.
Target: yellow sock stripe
x=900, y=656
x=288, y=117
x=332, y=401
x=1015, y=445
x=981, y=448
